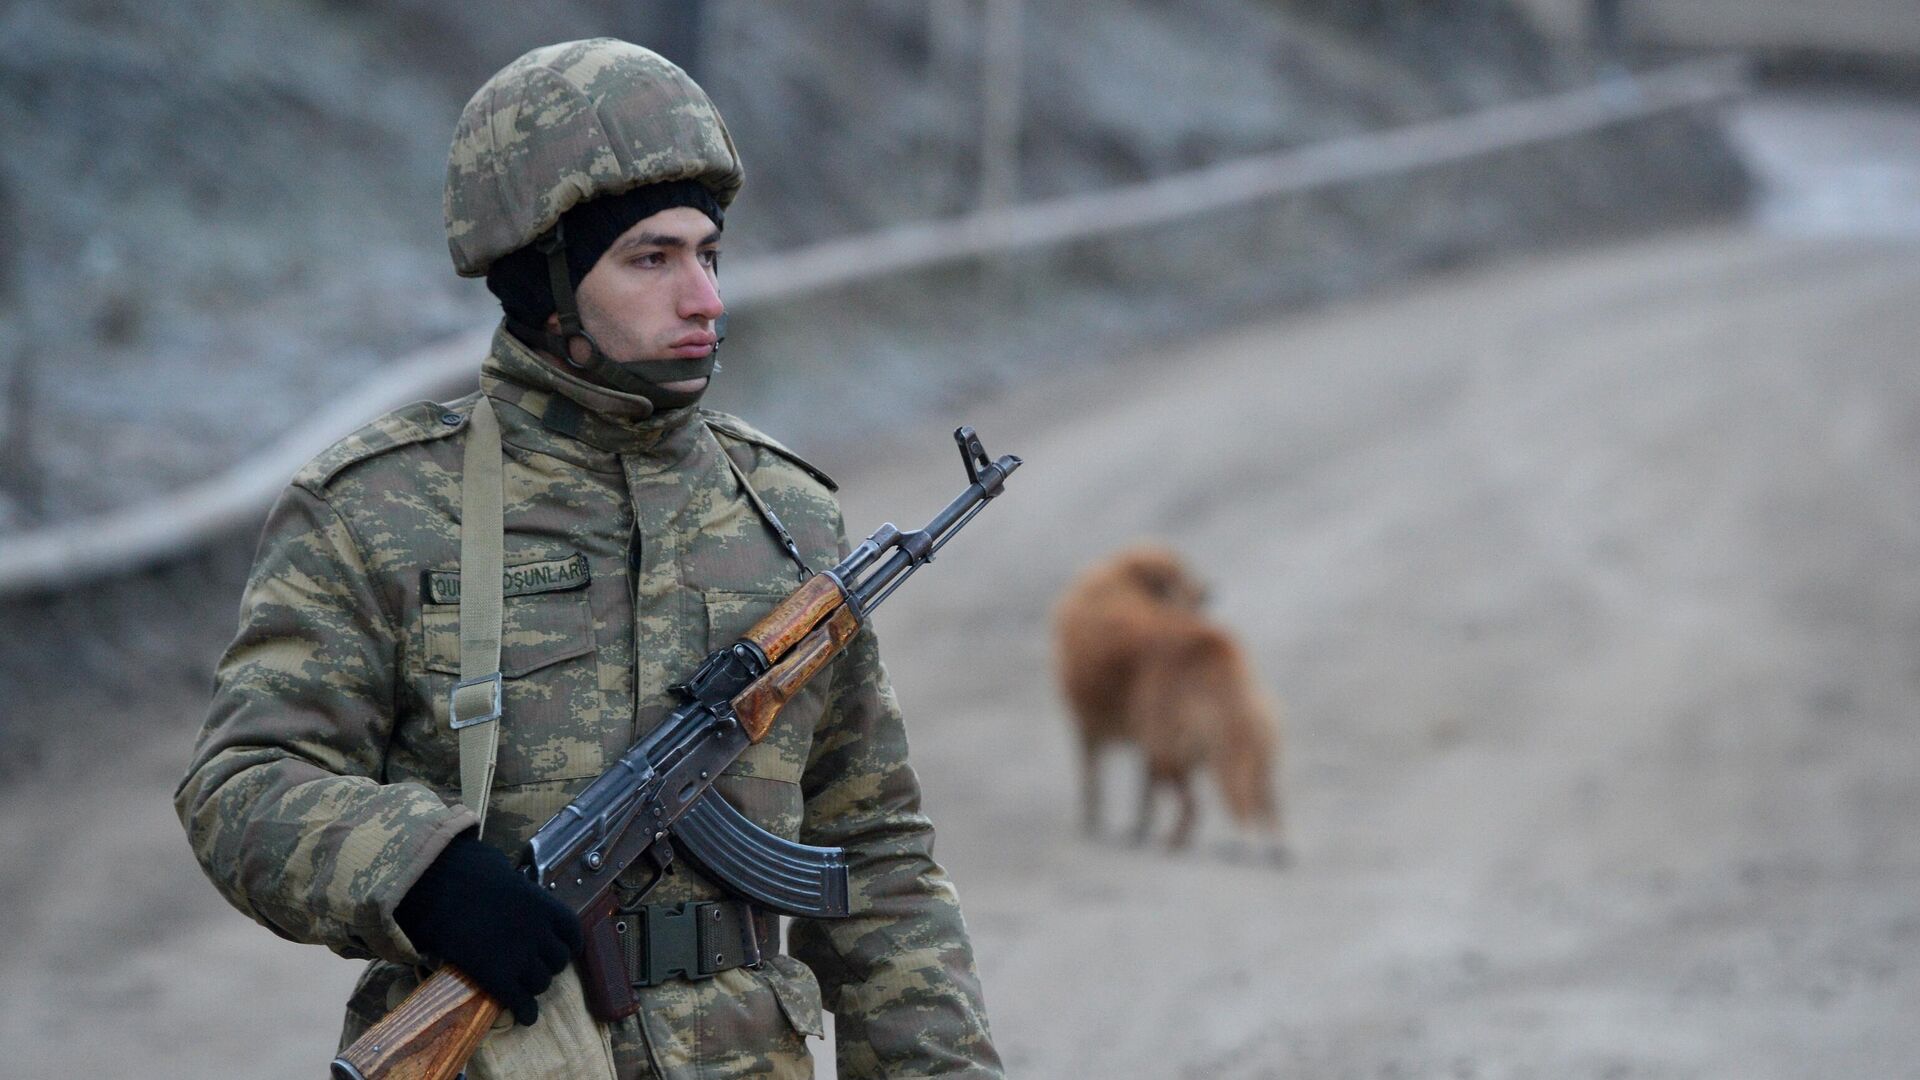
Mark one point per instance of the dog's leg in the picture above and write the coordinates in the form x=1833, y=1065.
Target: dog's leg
x=1089, y=786
x=1262, y=817
x=1183, y=827
x=1278, y=854
x=1259, y=842
x=1143, y=828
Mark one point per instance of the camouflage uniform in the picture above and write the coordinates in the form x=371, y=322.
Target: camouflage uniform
x=327, y=779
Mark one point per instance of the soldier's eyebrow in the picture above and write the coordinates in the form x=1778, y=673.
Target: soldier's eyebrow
x=661, y=240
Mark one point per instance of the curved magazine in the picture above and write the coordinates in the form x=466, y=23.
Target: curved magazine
x=776, y=873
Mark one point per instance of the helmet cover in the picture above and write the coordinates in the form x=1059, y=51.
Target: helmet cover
x=568, y=123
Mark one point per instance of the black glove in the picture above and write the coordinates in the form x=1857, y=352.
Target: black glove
x=473, y=910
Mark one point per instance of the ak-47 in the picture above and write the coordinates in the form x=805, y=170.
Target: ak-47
x=657, y=800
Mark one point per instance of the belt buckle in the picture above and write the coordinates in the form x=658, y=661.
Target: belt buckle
x=750, y=937
x=672, y=943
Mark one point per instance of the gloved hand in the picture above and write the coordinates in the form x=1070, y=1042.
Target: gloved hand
x=473, y=910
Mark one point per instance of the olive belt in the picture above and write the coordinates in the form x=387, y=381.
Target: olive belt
x=696, y=939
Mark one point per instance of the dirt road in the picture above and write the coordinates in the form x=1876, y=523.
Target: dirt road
x=1592, y=585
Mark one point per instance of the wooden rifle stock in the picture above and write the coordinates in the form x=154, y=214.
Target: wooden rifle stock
x=429, y=1037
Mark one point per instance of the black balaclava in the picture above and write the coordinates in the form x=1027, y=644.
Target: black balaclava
x=526, y=280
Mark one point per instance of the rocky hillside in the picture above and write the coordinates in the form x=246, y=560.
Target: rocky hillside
x=220, y=214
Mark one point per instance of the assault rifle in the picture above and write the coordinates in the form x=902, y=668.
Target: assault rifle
x=658, y=799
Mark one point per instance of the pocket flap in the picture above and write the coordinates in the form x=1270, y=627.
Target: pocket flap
x=535, y=630
x=798, y=992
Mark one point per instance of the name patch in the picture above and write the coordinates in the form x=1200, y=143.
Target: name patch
x=554, y=575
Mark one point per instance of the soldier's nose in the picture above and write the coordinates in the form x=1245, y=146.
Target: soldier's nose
x=701, y=300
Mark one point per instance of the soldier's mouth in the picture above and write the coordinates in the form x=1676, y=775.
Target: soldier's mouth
x=692, y=346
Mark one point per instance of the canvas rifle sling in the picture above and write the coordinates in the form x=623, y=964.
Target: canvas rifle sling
x=474, y=707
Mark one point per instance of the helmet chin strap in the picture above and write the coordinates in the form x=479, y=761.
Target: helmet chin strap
x=598, y=364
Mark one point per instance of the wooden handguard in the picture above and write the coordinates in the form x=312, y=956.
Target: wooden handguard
x=429, y=1037
x=759, y=704
x=795, y=617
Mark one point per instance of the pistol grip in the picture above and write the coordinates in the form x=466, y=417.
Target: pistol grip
x=603, y=970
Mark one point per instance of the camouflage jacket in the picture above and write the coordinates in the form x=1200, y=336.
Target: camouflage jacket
x=326, y=779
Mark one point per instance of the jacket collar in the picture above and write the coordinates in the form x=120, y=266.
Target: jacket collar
x=555, y=412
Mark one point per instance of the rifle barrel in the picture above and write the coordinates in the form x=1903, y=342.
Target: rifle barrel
x=911, y=550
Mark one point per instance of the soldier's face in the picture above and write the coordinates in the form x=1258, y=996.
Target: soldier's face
x=654, y=294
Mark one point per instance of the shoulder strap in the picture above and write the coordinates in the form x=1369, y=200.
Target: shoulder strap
x=735, y=428
x=474, y=706
x=767, y=515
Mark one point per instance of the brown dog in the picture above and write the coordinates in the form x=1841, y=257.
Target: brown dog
x=1139, y=663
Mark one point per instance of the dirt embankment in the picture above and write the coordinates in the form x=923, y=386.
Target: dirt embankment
x=225, y=213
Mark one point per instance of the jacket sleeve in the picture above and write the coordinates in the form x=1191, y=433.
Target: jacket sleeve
x=282, y=802
x=899, y=973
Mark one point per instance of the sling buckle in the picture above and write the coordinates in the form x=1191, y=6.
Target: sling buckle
x=490, y=702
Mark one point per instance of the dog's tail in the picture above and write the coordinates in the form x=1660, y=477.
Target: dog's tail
x=1246, y=725
x=1213, y=711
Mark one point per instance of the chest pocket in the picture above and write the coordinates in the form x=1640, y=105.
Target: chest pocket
x=553, y=713
x=764, y=781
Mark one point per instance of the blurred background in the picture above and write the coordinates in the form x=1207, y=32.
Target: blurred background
x=1531, y=379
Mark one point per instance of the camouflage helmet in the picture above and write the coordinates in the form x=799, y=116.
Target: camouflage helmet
x=568, y=123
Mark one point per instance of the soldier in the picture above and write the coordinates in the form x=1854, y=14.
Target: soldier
x=588, y=182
